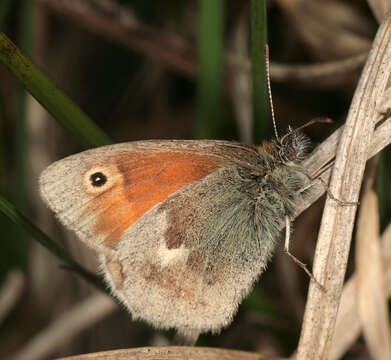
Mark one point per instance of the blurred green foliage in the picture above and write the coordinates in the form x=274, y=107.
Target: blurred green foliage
x=261, y=118
x=210, y=122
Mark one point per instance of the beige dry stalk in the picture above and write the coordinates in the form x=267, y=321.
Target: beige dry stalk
x=379, y=8
x=337, y=222
x=371, y=289
x=172, y=353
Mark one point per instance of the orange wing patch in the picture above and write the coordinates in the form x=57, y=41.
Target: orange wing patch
x=147, y=179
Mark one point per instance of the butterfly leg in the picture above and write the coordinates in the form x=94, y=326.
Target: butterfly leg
x=293, y=257
x=317, y=177
x=338, y=201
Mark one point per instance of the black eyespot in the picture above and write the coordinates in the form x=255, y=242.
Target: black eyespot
x=98, y=179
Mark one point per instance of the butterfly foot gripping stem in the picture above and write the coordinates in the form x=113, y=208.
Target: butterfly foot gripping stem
x=338, y=201
x=294, y=258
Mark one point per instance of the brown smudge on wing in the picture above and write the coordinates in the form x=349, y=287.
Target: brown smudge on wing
x=167, y=279
x=196, y=261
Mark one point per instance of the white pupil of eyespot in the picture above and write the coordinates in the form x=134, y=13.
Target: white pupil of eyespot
x=98, y=179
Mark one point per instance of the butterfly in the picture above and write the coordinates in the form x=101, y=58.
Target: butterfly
x=183, y=229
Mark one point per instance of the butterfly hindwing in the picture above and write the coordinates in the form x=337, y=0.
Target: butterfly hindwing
x=196, y=254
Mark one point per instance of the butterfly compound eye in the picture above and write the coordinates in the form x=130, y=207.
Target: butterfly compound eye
x=290, y=153
x=98, y=179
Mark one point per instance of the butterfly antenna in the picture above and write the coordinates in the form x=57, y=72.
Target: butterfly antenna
x=317, y=120
x=269, y=90
x=309, y=123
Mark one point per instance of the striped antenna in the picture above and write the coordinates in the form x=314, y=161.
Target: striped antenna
x=269, y=90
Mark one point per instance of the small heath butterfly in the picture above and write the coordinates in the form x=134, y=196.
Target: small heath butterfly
x=182, y=228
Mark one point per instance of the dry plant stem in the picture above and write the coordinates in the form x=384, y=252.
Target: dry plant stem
x=341, y=32
x=241, y=84
x=307, y=73
x=348, y=326
x=177, y=53
x=379, y=8
x=337, y=223
x=173, y=353
x=370, y=275
x=325, y=153
x=304, y=73
x=10, y=292
x=385, y=105
x=121, y=27
x=66, y=327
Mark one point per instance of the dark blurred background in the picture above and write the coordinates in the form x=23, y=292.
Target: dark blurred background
x=134, y=67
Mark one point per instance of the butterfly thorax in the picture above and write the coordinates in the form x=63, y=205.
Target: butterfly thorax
x=280, y=177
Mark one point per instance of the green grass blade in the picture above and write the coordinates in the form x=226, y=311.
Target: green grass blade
x=52, y=99
x=261, y=120
x=210, y=60
x=18, y=178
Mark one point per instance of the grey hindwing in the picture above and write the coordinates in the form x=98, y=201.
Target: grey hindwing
x=227, y=222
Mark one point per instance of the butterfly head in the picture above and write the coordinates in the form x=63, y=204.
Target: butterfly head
x=293, y=146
